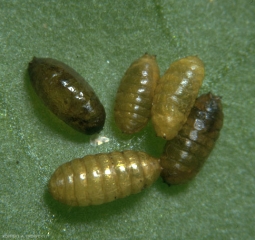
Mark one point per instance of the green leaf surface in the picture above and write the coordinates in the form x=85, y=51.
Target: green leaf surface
x=100, y=39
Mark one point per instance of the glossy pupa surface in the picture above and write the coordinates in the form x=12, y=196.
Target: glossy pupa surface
x=66, y=93
x=175, y=95
x=184, y=155
x=104, y=177
x=135, y=94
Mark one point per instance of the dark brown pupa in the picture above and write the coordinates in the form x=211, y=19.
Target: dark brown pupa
x=184, y=155
x=66, y=93
x=101, y=178
x=135, y=94
x=175, y=95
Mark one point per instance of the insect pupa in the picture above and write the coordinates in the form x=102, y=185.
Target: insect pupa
x=175, y=95
x=135, y=94
x=66, y=93
x=184, y=155
x=104, y=177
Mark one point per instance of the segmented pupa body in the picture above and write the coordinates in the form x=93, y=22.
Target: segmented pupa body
x=135, y=94
x=104, y=177
x=185, y=154
x=66, y=93
x=175, y=95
